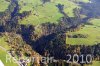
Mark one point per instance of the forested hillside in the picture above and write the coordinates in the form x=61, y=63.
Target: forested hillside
x=50, y=28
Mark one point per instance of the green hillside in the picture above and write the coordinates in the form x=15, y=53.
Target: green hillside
x=92, y=32
x=3, y=43
x=41, y=13
x=3, y=5
x=95, y=63
x=48, y=12
x=86, y=1
x=32, y=29
x=4, y=54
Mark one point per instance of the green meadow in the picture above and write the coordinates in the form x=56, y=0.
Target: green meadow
x=3, y=53
x=3, y=58
x=3, y=42
x=86, y=1
x=48, y=12
x=42, y=13
x=95, y=63
x=95, y=22
x=3, y=5
x=92, y=31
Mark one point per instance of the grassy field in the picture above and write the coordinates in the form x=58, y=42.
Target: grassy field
x=95, y=22
x=3, y=42
x=42, y=13
x=86, y=1
x=47, y=12
x=92, y=32
x=3, y=53
x=68, y=6
x=3, y=58
x=27, y=5
x=3, y=5
x=95, y=63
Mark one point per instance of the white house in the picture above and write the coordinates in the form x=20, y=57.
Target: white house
x=1, y=64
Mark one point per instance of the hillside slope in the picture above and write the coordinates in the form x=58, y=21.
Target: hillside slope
x=32, y=29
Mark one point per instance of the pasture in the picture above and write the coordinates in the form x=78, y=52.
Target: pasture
x=92, y=32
